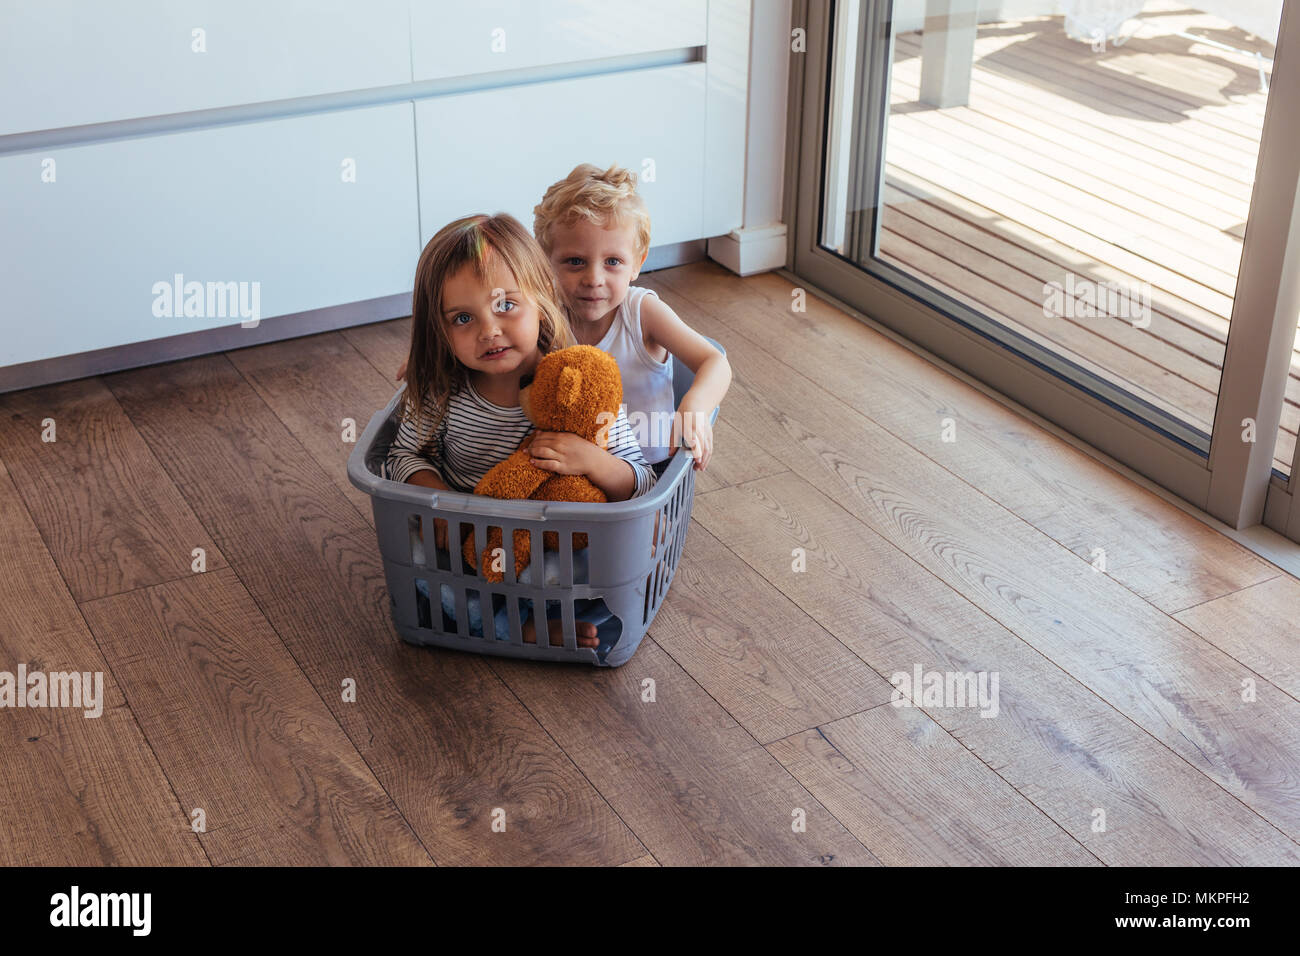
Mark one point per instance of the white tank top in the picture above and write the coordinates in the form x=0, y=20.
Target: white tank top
x=647, y=384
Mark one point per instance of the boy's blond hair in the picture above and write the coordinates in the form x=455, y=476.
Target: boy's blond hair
x=608, y=198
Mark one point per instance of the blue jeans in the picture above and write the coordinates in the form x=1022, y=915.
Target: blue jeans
x=593, y=611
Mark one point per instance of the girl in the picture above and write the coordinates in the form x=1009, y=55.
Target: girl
x=483, y=313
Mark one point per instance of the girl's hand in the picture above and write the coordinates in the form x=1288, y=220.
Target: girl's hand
x=401, y=372
x=693, y=430
x=564, y=453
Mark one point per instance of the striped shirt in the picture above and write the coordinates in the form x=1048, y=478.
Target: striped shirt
x=476, y=434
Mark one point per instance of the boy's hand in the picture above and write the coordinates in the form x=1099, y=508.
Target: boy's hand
x=693, y=430
x=564, y=453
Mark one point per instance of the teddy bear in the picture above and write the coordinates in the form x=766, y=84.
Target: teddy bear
x=576, y=389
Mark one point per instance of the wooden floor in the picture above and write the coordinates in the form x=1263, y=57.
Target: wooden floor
x=1121, y=736
x=1130, y=165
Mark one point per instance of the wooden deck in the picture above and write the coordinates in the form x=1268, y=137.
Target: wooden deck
x=1131, y=165
x=772, y=693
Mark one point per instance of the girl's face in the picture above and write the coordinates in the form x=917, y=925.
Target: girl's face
x=492, y=327
x=594, y=266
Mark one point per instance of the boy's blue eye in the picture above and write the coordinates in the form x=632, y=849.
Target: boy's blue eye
x=614, y=261
x=573, y=261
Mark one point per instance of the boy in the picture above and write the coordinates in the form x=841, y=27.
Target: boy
x=595, y=230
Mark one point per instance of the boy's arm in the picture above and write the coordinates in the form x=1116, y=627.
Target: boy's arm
x=711, y=368
x=691, y=425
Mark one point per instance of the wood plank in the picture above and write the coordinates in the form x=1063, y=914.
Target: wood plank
x=1118, y=78
x=1214, y=269
x=1179, y=323
x=1259, y=626
x=1061, y=101
x=774, y=669
x=1026, y=268
x=906, y=789
x=1097, y=344
x=912, y=190
x=690, y=782
x=1163, y=554
x=735, y=459
x=313, y=384
x=384, y=344
x=1092, y=143
x=74, y=790
x=1038, y=164
x=111, y=518
x=1060, y=745
x=1096, y=135
x=1151, y=383
x=1002, y=264
x=1142, y=662
x=444, y=738
x=646, y=860
x=1203, y=139
x=1114, y=179
x=242, y=734
x=1199, y=68
x=920, y=167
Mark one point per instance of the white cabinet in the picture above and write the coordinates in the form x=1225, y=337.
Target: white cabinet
x=491, y=35
x=498, y=150
x=264, y=203
x=148, y=140
x=73, y=62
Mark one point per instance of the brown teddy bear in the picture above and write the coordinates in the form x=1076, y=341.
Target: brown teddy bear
x=579, y=390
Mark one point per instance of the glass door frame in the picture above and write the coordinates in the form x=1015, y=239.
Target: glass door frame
x=1234, y=482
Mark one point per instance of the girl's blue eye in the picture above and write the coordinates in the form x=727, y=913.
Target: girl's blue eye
x=456, y=319
x=501, y=306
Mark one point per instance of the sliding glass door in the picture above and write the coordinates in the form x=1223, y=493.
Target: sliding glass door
x=1058, y=204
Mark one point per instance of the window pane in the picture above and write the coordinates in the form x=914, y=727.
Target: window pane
x=1082, y=181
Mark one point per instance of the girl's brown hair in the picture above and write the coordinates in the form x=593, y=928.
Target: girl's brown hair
x=432, y=369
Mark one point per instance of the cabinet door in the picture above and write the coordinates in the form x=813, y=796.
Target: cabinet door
x=490, y=35
x=499, y=150
x=70, y=62
x=269, y=203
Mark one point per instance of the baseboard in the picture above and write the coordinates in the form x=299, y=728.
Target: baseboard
x=749, y=251
x=64, y=368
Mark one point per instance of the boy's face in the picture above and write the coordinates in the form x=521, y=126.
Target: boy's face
x=594, y=266
x=492, y=326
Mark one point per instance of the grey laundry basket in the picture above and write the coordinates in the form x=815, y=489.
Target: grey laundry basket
x=633, y=549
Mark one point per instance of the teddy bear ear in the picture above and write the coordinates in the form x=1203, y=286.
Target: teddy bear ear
x=570, y=387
